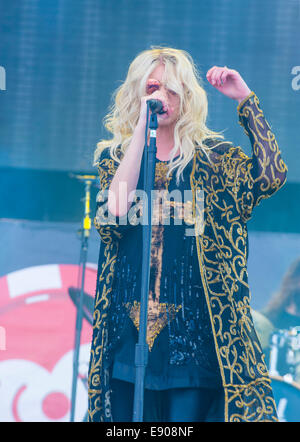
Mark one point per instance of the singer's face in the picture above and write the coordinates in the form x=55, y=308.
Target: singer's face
x=170, y=99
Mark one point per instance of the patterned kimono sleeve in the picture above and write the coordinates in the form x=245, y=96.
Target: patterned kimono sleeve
x=111, y=227
x=251, y=179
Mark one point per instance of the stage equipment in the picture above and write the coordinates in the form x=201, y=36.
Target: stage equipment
x=88, y=181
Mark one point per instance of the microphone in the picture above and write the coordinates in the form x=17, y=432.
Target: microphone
x=156, y=106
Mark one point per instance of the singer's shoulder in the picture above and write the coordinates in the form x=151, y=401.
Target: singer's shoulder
x=216, y=148
x=105, y=154
x=217, y=145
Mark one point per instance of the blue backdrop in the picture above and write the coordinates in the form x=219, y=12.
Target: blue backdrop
x=64, y=58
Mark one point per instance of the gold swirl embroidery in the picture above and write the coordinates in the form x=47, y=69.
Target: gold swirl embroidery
x=102, y=302
x=227, y=290
x=251, y=403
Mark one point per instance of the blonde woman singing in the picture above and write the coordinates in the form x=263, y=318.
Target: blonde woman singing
x=205, y=362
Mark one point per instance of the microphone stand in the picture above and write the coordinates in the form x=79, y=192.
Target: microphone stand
x=141, y=349
x=85, y=233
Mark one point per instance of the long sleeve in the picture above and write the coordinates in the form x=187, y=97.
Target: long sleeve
x=251, y=179
x=110, y=227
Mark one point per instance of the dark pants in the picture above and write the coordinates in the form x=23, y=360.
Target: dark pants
x=173, y=405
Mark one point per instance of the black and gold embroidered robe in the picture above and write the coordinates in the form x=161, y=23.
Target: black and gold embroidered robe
x=233, y=185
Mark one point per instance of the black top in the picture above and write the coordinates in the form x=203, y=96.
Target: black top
x=179, y=335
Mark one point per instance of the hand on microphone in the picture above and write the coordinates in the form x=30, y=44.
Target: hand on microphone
x=158, y=105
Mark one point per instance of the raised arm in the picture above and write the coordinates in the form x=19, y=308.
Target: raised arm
x=250, y=179
x=254, y=178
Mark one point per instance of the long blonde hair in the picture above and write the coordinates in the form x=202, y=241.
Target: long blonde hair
x=182, y=77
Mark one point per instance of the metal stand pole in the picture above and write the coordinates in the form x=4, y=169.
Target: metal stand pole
x=84, y=247
x=141, y=350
